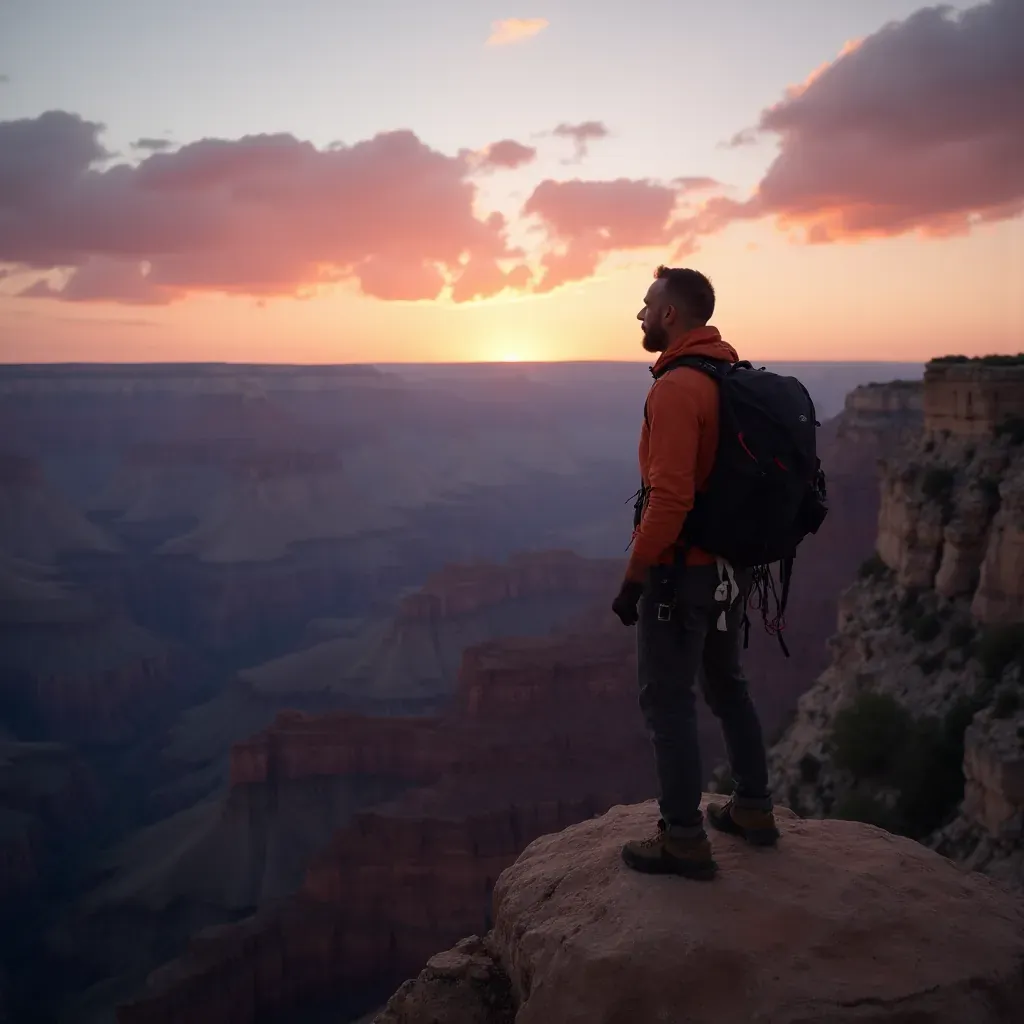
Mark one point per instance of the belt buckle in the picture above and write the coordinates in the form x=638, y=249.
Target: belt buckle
x=664, y=612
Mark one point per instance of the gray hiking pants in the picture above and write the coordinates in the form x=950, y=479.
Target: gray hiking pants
x=672, y=656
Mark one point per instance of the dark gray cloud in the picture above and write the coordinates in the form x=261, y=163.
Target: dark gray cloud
x=507, y=154
x=582, y=135
x=152, y=145
x=920, y=126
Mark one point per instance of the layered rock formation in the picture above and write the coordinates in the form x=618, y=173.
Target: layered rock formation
x=416, y=654
x=47, y=798
x=49, y=804
x=973, y=397
x=568, y=744
x=876, y=417
x=72, y=670
x=931, y=641
x=253, y=530
x=836, y=925
x=466, y=787
x=544, y=730
x=479, y=465
x=409, y=661
x=36, y=523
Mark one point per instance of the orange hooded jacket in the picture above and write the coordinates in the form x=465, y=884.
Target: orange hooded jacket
x=677, y=450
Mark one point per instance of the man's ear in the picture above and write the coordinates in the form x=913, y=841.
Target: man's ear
x=671, y=314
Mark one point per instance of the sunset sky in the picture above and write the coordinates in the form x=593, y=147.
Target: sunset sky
x=390, y=181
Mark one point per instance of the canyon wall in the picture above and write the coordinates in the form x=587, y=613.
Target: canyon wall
x=464, y=588
x=47, y=799
x=893, y=406
x=298, y=746
x=296, y=783
x=918, y=721
x=71, y=668
x=37, y=524
x=407, y=662
x=543, y=733
x=952, y=512
x=543, y=730
x=215, y=511
x=973, y=398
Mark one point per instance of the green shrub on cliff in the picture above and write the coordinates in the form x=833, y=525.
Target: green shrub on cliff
x=910, y=610
x=867, y=735
x=1013, y=429
x=928, y=627
x=938, y=483
x=810, y=768
x=930, y=776
x=929, y=664
x=860, y=806
x=1000, y=646
x=873, y=568
x=882, y=745
x=1007, y=701
x=961, y=634
x=992, y=360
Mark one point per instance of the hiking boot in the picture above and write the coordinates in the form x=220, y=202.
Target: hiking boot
x=754, y=824
x=664, y=854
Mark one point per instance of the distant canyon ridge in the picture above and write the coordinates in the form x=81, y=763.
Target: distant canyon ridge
x=259, y=623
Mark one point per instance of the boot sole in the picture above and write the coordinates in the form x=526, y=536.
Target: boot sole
x=754, y=836
x=664, y=866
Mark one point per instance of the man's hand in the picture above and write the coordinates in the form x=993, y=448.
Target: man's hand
x=625, y=603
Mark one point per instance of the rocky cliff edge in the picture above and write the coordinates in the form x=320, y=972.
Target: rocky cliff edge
x=842, y=922
x=917, y=724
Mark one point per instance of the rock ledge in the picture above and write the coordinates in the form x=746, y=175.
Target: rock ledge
x=843, y=922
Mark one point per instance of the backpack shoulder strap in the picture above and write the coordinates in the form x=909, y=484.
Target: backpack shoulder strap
x=716, y=368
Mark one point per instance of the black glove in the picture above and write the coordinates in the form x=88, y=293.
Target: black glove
x=625, y=603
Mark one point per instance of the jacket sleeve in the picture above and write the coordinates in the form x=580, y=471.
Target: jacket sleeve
x=674, y=417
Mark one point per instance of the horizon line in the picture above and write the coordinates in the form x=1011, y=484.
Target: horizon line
x=56, y=364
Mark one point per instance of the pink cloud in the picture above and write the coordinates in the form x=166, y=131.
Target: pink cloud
x=916, y=128
x=482, y=277
x=507, y=154
x=109, y=280
x=697, y=184
x=515, y=30
x=587, y=220
x=582, y=135
x=261, y=215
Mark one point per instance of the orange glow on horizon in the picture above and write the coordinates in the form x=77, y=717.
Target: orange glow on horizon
x=872, y=300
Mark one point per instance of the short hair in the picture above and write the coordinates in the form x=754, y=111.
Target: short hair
x=689, y=289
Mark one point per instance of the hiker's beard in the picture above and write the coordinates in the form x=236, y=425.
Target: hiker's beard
x=655, y=339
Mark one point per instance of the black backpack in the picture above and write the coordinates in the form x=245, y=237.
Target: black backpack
x=766, y=491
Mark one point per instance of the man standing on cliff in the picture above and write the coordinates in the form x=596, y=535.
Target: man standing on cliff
x=689, y=606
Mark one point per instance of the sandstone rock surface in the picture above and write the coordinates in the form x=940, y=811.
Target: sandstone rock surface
x=969, y=398
x=932, y=629
x=842, y=922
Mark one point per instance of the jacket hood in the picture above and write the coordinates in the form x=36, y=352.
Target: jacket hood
x=702, y=341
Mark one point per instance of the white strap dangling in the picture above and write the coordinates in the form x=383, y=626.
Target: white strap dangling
x=727, y=590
